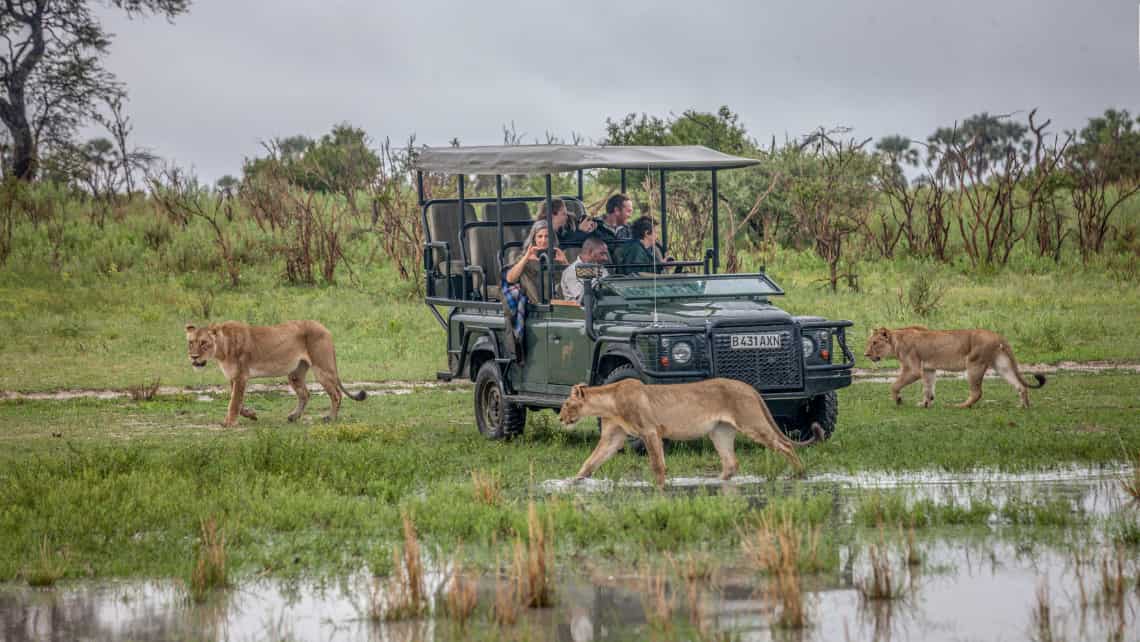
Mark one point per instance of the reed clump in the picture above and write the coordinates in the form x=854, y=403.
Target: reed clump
x=209, y=572
x=144, y=391
x=882, y=583
x=507, y=605
x=404, y=595
x=775, y=548
x=461, y=595
x=659, y=602
x=488, y=488
x=534, y=562
x=48, y=568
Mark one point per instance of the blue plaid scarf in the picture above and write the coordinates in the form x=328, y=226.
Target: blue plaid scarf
x=514, y=300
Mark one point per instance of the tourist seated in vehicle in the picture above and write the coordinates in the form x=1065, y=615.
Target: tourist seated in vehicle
x=643, y=254
x=594, y=251
x=526, y=271
x=568, y=229
x=612, y=227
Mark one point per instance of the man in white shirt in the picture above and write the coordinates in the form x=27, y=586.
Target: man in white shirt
x=594, y=250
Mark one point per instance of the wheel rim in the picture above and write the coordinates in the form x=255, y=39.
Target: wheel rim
x=491, y=403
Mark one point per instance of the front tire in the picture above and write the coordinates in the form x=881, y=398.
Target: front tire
x=494, y=415
x=821, y=409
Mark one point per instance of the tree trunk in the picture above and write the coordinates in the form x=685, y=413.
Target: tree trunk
x=24, y=163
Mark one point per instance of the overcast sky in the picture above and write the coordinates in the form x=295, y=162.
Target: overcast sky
x=205, y=90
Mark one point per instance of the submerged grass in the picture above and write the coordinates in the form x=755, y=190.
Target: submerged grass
x=461, y=595
x=209, y=573
x=49, y=567
x=780, y=549
x=404, y=594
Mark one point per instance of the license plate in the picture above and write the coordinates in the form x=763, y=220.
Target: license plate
x=755, y=341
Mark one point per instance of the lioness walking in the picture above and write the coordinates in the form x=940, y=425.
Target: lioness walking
x=718, y=408
x=288, y=349
x=923, y=352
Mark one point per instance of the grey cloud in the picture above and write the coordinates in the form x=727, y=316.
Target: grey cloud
x=205, y=90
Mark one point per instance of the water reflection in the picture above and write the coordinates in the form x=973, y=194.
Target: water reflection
x=968, y=586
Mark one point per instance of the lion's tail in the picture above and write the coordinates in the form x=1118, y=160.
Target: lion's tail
x=1017, y=371
x=357, y=397
x=769, y=434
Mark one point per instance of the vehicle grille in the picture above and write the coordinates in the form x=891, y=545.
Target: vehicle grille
x=777, y=369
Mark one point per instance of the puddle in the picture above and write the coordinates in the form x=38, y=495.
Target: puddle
x=960, y=592
x=967, y=587
x=1091, y=491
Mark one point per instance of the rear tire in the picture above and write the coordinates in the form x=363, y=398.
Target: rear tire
x=494, y=415
x=821, y=409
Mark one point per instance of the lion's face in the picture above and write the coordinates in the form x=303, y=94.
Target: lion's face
x=879, y=345
x=572, y=408
x=200, y=345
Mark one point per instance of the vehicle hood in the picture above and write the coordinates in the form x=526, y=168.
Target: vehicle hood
x=691, y=313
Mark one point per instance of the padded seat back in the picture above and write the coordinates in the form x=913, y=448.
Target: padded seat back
x=444, y=225
x=483, y=245
x=511, y=212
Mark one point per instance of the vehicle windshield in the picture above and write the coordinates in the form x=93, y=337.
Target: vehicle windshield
x=690, y=286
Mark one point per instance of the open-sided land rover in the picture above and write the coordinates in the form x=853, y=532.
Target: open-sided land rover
x=655, y=327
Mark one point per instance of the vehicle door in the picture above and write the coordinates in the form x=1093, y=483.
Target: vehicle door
x=534, y=363
x=568, y=350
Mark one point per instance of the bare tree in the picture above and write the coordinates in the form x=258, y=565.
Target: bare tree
x=732, y=259
x=1042, y=186
x=183, y=199
x=50, y=69
x=396, y=212
x=832, y=194
x=902, y=198
x=985, y=178
x=1104, y=172
x=118, y=124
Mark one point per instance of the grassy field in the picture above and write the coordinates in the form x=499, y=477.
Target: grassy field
x=63, y=330
x=120, y=487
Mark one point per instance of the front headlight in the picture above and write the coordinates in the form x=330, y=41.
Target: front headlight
x=681, y=353
x=808, y=345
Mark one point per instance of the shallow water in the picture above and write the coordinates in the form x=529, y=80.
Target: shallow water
x=968, y=587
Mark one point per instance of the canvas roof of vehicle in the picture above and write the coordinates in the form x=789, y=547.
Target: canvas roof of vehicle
x=547, y=159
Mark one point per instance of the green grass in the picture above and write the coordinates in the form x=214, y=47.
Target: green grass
x=111, y=313
x=123, y=486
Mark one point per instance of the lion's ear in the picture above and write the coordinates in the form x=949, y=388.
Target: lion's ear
x=577, y=392
x=190, y=329
x=883, y=332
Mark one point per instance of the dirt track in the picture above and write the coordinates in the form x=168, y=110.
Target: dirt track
x=884, y=374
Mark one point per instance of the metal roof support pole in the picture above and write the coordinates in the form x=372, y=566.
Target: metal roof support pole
x=462, y=234
x=664, y=220
x=579, y=185
x=622, y=183
x=420, y=185
x=499, y=209
x=551, y=237
x=716, y=225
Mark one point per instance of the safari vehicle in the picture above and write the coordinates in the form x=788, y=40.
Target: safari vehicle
x=658, y=328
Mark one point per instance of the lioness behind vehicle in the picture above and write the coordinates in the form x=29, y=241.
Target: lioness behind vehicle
x=718, y=408
x=288, y=350
x=923, y=352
